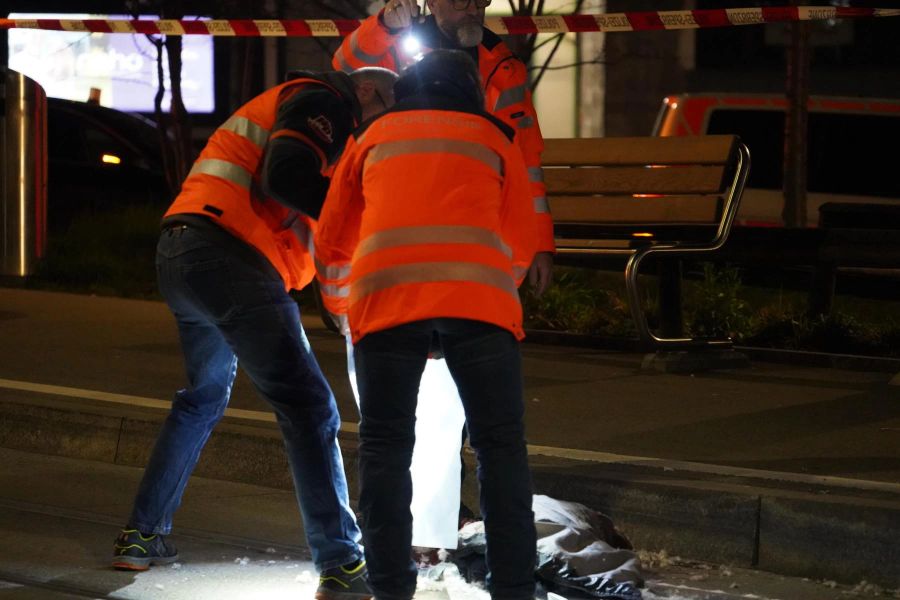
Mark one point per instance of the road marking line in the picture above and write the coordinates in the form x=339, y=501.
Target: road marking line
x=57, y=390
x=533, y=450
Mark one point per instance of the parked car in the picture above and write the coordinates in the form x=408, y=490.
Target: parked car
x=846, y=159
x=100, y=158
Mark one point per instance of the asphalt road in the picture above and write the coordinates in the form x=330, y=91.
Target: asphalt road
x=773, y=417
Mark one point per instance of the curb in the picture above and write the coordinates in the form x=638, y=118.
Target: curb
x=823, y=528
x=848, y=362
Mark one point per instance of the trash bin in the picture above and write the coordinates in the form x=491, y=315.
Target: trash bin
x=23, y=174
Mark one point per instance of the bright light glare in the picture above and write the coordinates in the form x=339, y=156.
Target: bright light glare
x=260, y=577
x=111, y=159
x=413, y=47
x=236, y=577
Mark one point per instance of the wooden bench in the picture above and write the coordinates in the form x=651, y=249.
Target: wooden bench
x=637, y=197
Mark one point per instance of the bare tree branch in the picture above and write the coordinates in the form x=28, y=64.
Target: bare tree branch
x=596, y=61
x=180, y=119
x=546, y=41
x=537, y=80
x=530, y=44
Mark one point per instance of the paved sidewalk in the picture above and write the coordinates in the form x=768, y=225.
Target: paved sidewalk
x=785, y=467
x=58, y=518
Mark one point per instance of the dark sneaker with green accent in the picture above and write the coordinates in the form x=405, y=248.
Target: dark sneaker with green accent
x=134, y=551
x=347, y=582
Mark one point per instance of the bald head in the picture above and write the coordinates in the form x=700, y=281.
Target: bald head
x=375, y=89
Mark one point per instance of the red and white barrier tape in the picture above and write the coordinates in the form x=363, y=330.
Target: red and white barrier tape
x=627, y=21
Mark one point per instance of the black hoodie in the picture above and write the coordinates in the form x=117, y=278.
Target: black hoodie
x=291, y=170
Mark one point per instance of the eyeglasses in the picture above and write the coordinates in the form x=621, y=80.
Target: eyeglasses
x=464, y=4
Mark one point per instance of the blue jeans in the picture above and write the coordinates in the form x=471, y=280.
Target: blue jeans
x=230, y=305
x=485, y=363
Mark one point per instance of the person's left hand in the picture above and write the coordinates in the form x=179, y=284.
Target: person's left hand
x=541, y=272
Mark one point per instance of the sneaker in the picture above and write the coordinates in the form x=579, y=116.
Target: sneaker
x=425, y=557
x=134, y=551
x=343, y=583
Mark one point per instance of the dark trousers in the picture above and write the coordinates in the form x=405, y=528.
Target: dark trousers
x=485, y=363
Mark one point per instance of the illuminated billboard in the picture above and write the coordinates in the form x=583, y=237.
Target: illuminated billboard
x=122, y=66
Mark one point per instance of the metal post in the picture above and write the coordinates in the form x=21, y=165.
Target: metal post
x=23, y=174
x=795, y=124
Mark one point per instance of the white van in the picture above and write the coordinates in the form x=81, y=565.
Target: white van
x=851, y=152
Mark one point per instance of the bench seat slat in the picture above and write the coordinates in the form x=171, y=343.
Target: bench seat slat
x=628, y=235
x=627, y=209
x=691, y=150
x=635, y=180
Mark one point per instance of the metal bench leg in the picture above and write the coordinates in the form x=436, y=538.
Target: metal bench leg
x=634, y=298
x=671, y=323
x=821, y=293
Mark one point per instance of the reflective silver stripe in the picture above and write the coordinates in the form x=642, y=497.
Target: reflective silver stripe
x=437, y=234
x=433, y=272
x=342, y=323
x=519, y=272
x=302, y=233
x=359, y=53
x=332, y=272
x=336, y=291
x=525, y=123
x=398, y=64
x=223, y=169
x=246, y=128
x=535, y=174
x=343, y=64
x=510, y=96
x=472, y=150
x=541, y=205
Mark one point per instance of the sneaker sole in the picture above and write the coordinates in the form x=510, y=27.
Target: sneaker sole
x=340, y=596
x=129, y=563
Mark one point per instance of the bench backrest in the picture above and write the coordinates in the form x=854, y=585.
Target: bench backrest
x=633, y=191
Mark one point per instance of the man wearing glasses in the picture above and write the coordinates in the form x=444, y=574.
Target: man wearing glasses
x=459, y=25
x=383, y=40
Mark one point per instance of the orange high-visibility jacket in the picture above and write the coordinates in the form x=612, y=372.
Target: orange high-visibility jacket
x=223, y=185
x=425, y=219
x=506, y=90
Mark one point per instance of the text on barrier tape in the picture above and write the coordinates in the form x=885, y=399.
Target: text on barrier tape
x=612, y=22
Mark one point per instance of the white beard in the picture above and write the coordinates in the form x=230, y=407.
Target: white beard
x=469, y=35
